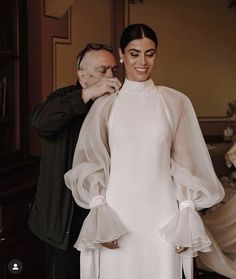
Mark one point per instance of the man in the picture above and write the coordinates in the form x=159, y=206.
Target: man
x=55, y=218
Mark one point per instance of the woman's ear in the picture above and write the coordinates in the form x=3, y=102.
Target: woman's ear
x=82, y=77
x=121, y=56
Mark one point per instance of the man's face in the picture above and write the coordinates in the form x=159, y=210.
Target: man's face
x=96, y=65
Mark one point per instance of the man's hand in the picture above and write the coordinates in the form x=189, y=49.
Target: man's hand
x=111, y=245
x=106, y=85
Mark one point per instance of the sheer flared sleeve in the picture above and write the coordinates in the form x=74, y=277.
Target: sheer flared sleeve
x=88, y=178
x=195, y=181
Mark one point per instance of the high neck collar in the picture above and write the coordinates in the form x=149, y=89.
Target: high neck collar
x=137, y=86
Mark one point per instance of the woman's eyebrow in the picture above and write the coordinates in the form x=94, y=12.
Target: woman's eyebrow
x=133, y=49
x=151, y=49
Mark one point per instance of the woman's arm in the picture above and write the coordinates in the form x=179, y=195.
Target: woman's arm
x=196, y=184
x=89, y=177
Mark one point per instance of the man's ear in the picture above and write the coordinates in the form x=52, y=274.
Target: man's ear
x=82, y=77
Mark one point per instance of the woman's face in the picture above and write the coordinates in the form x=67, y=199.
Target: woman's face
x=139, y=58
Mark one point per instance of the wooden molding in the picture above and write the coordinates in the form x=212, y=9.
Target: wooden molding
x=55, y=8
x=60, y=41
x=120, y=19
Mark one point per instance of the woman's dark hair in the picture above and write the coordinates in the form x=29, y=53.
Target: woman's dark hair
x=137, y=31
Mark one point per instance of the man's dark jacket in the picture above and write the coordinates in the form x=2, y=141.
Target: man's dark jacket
x=55, y=218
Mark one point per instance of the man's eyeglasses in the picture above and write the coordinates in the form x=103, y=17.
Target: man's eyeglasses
x=91, y=46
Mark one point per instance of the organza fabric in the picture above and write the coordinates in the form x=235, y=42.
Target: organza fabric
x=89, y=176
x=195, y=184
x=221, y=228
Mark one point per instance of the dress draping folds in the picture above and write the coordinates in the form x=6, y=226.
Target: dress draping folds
x=141, y=165
x=221, y=228
x=220, y=223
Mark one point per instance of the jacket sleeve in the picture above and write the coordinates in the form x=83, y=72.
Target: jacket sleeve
x=88, y=179
x=60, y=107
x=196, y=184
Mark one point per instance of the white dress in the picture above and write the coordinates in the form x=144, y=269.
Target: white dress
x=140, y=188
x=142, y=167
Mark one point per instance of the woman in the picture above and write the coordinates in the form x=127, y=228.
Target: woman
x=142, y=167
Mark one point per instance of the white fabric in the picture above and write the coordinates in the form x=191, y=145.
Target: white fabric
x=101, y=225
x=188, y=267
x=96, y=201
x=88, y=180
x=186, y=204
x=230, y=156
x=151, y=149
x=220, y=222
x=221, y=226
x=89, y=264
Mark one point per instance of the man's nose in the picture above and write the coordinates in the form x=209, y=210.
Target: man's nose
x=109, y=73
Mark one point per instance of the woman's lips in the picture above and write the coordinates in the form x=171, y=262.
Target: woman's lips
x=141, y=69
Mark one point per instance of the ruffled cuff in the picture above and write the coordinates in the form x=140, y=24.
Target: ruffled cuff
x=186, y=229
x=101, y=225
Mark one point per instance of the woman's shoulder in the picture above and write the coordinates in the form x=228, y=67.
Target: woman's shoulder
x=169, y=92
x=173, y=97
x=104, y=100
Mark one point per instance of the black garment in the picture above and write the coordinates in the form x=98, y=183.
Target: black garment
x=61, y=264
x=55, y=218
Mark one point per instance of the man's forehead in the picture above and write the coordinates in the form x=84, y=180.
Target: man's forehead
x=104, y=60
x=101, y=53
x=106, y=66
x=99, y=59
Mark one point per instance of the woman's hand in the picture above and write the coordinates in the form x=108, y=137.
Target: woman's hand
x=111, y=245
x=180, y=249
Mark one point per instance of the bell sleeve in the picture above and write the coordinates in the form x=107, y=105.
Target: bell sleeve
x=88, y=179
x=196, y=184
